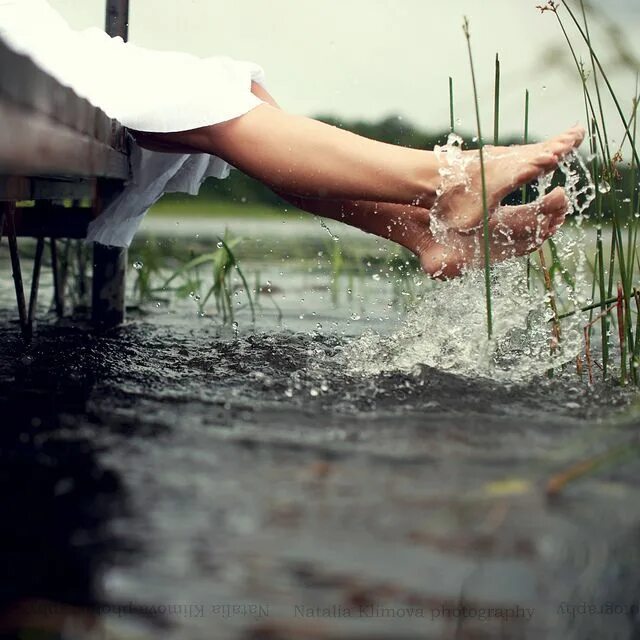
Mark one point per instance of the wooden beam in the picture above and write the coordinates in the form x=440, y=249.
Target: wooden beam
x=29, y=88
x=14, y=188
x=117, y=21
x=108, y=297
x=109, y=269
x=51, y=221
x=31, y=143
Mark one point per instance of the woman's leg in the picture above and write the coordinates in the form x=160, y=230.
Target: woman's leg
x=300, y=155
x=514, y=231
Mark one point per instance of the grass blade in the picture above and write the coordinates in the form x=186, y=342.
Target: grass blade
x=485, y=208
x=452, y=122
x=496, y=103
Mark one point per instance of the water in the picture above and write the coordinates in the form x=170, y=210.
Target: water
x=447, y=328
x=179, y=479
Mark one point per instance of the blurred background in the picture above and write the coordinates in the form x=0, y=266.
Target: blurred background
x=369, y=59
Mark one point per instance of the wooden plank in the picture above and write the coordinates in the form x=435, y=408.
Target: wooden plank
x=51, y=221
x=41, y=188
x=108, y=288
x=27, y=86
x=109, y=269
x=31, y=143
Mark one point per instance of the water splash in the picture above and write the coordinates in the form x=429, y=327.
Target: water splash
x=325, y=226
x=447, y=328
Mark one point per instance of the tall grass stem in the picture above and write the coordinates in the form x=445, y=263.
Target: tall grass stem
x=485, y=207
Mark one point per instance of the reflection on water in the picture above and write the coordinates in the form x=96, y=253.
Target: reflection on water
x=57, y=497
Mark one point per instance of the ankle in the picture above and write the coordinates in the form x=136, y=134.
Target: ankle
x=427, y=180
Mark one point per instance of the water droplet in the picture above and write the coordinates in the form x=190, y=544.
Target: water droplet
x=376, y=276
x=314, y=392
x=604, y=186
x=288, y=393
x=318, y=326
x=454, y=140
x=219, y=245
x=138, y=265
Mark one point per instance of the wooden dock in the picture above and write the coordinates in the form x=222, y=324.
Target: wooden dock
x=70, y=160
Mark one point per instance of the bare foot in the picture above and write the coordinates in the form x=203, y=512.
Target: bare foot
x=459, y=203
x=514, y=231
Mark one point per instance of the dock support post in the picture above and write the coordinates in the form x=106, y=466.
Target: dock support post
x=117, y=21
x=58, y=294
x=110, y=263
x=109, y=269
x=9, y=210
x=35, y=284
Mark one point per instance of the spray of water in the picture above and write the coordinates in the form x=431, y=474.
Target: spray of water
x=447, y=328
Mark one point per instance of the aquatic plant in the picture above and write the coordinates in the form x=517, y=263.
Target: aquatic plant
x=615, y=201
x=485, y=208
x=150, y=261
x=187, y=278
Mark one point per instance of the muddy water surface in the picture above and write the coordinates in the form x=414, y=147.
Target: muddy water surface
x=180, y=479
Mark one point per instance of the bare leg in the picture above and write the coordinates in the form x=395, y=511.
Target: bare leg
x=385, y=189
x=306, y=157
x=514, y=231
x=303, y=156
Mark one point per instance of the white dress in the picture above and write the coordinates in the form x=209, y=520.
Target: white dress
x=145, y=90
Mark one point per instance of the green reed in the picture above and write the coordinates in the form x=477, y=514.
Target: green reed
x=452, y=121
x=616, y=272
x=226, y=278
x=485, y=207
x=523, y=191
x=496, y=103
